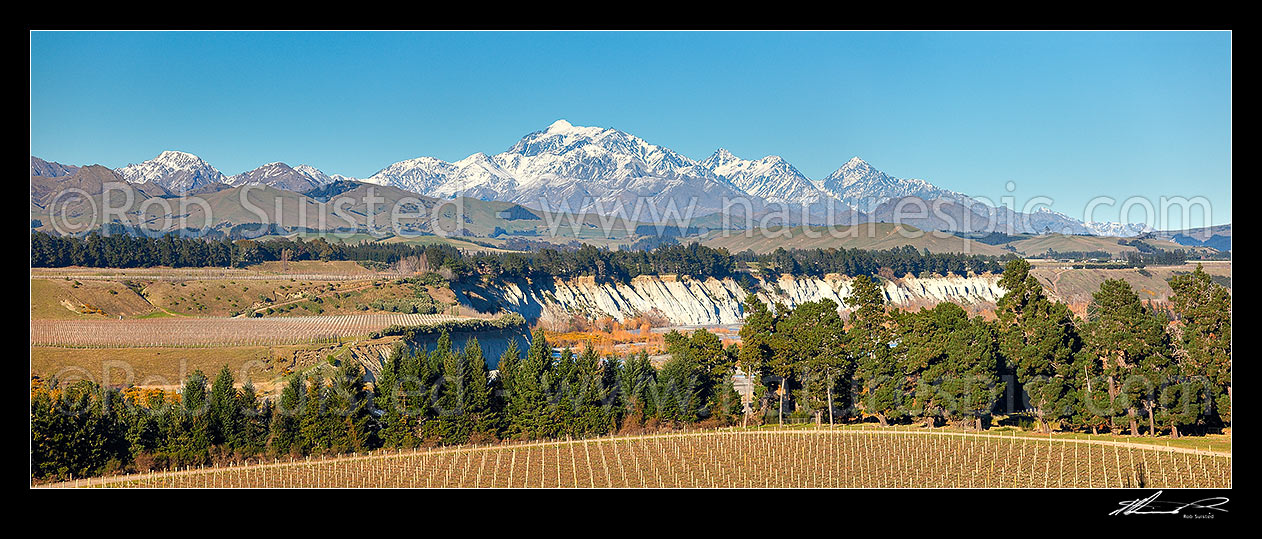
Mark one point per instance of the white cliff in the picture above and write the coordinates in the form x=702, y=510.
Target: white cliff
x=689, y=301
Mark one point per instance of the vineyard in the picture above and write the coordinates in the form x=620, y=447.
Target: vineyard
x=717, y=459
x=218, y=331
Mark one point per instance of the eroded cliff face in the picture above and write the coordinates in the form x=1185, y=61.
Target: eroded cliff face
x=688, y=301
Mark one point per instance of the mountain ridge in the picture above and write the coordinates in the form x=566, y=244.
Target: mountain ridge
x=583, y=169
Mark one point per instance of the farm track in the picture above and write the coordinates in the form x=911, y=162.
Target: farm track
x=854, y=458
x=219, y=331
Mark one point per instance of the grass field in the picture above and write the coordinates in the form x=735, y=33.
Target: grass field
x=74, y=300
x=168, y=367
x=872, y=458
x=1075, y=286
x=1035, y=245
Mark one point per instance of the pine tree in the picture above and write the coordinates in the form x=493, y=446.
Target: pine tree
x=531, y=411
x=346, y=417
x=636, y=382
x=1128, y=340
x=255, y=417
x=1040, y=342
x=877, y=377
x=224, y=413
x=284, y=436
x=313, y=437
x=503, y=384
x=1203, y=309
x=192, y=445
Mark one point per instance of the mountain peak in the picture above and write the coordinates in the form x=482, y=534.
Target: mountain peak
x=857, y=163
x=176, y=171
x=560, y=125
x=719, y=158
x=174, y=154
x=178, y=160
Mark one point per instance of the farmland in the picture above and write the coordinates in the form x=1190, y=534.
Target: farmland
x=162, y=332
x=852, y=458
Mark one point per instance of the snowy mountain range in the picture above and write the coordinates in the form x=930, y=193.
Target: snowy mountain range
x=606, y=171
x=573, y=169
x=771, y=177
x=860, y=185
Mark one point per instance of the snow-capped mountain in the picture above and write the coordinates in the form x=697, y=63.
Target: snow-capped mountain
x=864, y=187
x=1124, y=230
x=319, y=177
x=282, y=176
x=421, y=175
x=771, y=178
x=178, y=172
x=572, y=168
x=277, y=174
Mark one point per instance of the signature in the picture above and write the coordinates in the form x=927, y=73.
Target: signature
x=1152, y=506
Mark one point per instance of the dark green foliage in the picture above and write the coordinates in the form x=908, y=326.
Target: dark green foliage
x=76, y=431
x=529, y=388
x=1133, y=349
x=1041, y=344
x=905, y=260
x=951, y=363
x=878, y=383
x=410, y=333
x=1203, y=309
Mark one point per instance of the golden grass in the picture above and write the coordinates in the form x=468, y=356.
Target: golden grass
x=59, y=299
x=167, y=367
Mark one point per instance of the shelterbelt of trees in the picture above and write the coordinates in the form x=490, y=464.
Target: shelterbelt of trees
x=1125, y=367
x=124, y=251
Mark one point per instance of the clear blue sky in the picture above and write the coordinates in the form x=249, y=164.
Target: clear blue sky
x=1064, y=115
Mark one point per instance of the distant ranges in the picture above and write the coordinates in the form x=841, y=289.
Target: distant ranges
x=605, y=171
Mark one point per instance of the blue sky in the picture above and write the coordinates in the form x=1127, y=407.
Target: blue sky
x=1069, y=116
